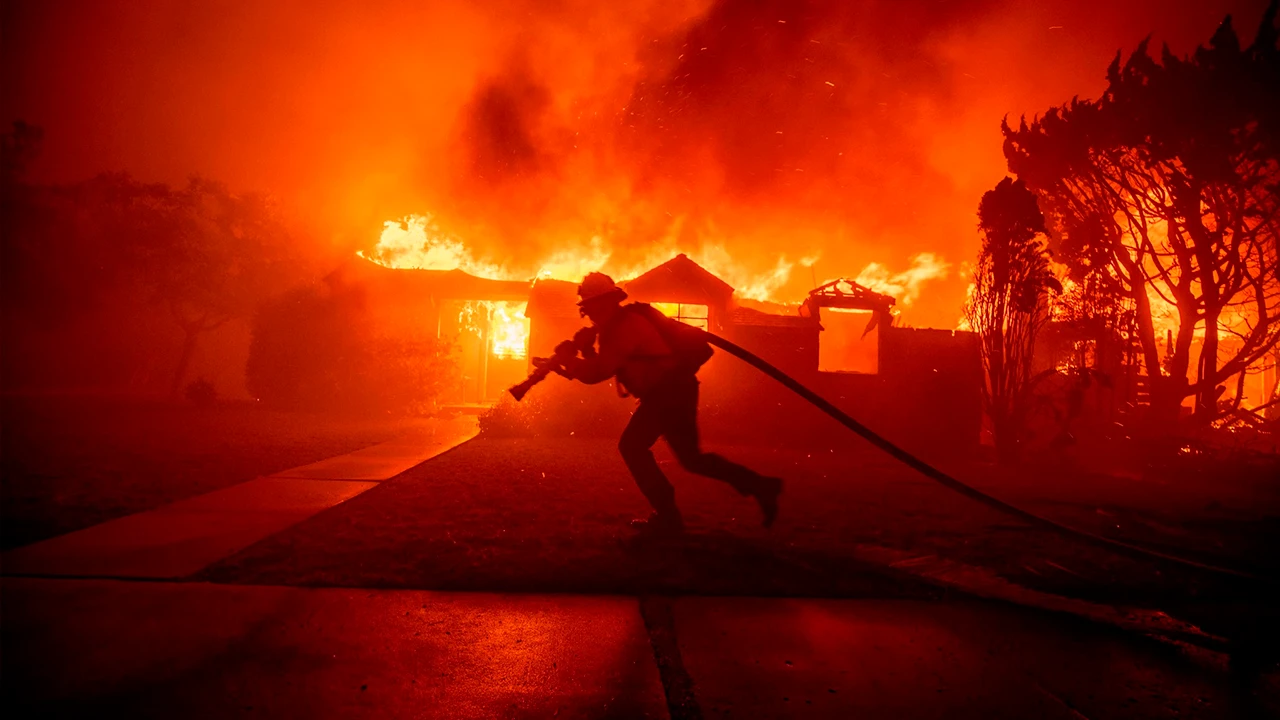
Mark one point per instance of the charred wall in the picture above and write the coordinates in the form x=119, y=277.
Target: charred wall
x=926, y=397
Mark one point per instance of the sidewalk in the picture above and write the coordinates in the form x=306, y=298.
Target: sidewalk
x=158, y=649
x=182, y=538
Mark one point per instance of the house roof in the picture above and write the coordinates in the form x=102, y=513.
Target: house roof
x=552, y=298
x=751, y=316
x=679, y=280
x=845, y=293
x=439, y=284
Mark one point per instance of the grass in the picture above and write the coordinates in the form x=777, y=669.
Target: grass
x=69, y=462
x=550, y=515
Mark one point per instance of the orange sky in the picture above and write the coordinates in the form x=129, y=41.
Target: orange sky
x=853, y=132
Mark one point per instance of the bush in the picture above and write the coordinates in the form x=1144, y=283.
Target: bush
x=312, y=351
x=559, y=408
x=202, y=393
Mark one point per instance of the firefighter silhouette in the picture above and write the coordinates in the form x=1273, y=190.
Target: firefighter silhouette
x=656, y=359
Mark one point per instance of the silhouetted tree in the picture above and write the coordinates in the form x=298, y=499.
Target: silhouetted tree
x=1167, y=186
x=18, y=148
x=1006, y=307
x=206, y=255
x=19, y=213
x=53, y=271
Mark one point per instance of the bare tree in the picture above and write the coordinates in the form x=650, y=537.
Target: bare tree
x=1170, y=181
x=1006, y=307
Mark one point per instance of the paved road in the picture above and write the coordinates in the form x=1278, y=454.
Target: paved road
x=165, y=650
x=159, y=649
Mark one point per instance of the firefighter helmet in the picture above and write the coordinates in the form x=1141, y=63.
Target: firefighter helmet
x=597, y=286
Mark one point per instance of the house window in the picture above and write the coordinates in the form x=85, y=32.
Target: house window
x=695, y=315
x=845, y=345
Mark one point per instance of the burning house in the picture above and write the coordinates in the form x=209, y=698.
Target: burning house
x=920, y=386
x=484, y=318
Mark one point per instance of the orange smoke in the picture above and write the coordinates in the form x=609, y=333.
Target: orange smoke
x=776, y=141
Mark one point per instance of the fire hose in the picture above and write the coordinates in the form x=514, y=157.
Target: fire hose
x=1120, y=547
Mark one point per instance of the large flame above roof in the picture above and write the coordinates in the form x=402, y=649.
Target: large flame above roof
x=417, y=242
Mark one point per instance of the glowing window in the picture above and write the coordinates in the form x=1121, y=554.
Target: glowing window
x=844, y=345
x=695, y=315
x=508, y=329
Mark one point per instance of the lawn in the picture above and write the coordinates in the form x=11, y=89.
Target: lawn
x=71, y=462
x=550, y=515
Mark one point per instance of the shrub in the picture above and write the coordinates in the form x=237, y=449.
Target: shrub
x=313, y=351
x=202, y=393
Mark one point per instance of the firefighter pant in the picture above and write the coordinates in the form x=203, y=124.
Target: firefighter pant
x=671, y=412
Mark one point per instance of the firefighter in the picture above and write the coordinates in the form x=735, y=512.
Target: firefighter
x=652, y=358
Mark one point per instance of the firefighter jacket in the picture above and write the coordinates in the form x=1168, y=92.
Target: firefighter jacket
x=629, y=348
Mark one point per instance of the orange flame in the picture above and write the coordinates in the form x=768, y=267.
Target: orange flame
x=508, y=330
x=904, y=286
x=417, y=242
